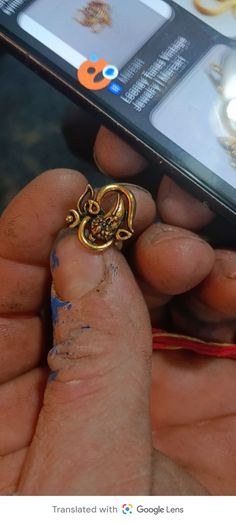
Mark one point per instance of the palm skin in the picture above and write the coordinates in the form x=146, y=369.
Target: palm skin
x=193, y=405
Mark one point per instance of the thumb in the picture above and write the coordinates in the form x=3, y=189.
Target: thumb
x=93, y=435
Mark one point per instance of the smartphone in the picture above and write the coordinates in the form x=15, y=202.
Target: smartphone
x=161, y=73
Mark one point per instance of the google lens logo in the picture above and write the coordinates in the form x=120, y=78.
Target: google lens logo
x=127, y=509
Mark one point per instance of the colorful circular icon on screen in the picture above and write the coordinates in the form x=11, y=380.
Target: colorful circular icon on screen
x=110, y=72
x=96, y=74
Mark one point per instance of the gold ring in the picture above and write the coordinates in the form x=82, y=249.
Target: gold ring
x=99, y=228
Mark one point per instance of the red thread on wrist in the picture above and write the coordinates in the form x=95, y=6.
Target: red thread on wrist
x=167, y=341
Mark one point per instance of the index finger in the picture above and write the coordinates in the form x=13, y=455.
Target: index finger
x=31, y=221
x=27, y=230
x=176, y=206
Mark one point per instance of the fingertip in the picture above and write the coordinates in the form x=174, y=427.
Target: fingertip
x=61, y=179
x=116, y=158
x=186, y=319
x=33, y=218
x=218, y=290
x=178, y=207
x=172, y=260
x=77, y=269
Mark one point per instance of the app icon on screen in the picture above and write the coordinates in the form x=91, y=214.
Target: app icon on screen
x=110, y=72
x=96, y=74
x=115, y=88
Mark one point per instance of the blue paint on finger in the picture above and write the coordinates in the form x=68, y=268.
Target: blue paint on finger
x=56, y=305
x=54, y=260
x=52, y=376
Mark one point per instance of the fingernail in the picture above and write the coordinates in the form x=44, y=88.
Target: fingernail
x=133, y=185
x=57, y=305
x=54, y=260
x=129, y=186
x=160, y=231
x=98, y=164
x=79, y=270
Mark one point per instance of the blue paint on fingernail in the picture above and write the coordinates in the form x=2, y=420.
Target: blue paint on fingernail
x=56, y=305
x=54, y=260
x=52, y=376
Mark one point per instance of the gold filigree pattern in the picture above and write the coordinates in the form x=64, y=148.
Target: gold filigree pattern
x=98, y=228
x=221, y=7
x=220, y=75
x=96, y=15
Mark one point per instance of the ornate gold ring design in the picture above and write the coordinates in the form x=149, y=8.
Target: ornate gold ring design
x=99, y=228
x=221, y=7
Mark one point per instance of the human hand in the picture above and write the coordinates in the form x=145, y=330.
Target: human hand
x=97, y=409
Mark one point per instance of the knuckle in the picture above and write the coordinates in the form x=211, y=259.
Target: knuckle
x=84, y=354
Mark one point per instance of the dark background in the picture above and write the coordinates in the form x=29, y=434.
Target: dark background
x=40, y=129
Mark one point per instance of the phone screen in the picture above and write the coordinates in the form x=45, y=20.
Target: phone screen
x=166, y=70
